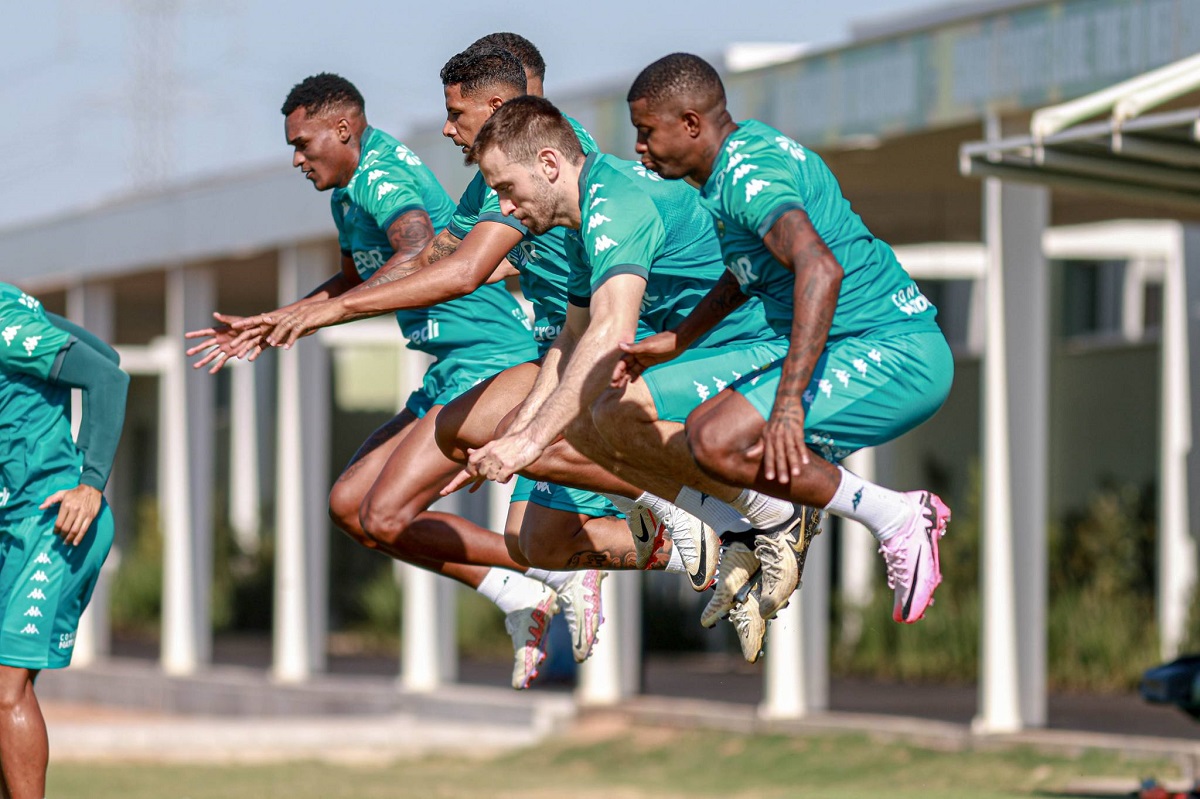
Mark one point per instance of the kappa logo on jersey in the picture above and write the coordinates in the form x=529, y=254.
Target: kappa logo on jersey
x=371, y=157
x=604, y=243
x=385, y=189
x=734, y=145
x=42, y=558
x=39, y=576
x=595, y=187
x=66, y=640
x=374, y=175
x=595, y=221
x=646, y=173
x=754, y=187
x=407, y=156
x=36, y=594
x=30, y=344
x=10, y=333
x=34, y=611
x=792, y=148
x=596, y=202
x=29, y=302
x=30, y=629
x=4, y=496
x=742, y=171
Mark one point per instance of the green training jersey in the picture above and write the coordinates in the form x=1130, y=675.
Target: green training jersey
x=759, y=176
x=391, y=181
x=37, y=454
x=541, y=261
x=634, y=222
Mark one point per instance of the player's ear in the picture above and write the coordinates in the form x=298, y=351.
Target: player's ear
x=691, y=123
x=495, y=102
x=548, y=162
x=344, y=130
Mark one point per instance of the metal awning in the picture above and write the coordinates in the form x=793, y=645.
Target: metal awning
x=1133, y=154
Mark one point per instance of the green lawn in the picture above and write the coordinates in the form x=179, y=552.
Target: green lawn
x=629, y=762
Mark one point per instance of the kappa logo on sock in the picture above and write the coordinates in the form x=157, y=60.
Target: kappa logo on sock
x=857, y=498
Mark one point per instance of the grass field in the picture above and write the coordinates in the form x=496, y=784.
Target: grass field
x=601, y=759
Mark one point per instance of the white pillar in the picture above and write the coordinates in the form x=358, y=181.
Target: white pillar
x=797, y=645
x=1012, y=686
x=429, y=645
x=245, y=512
x=302, y=483
x=613, y=672
x=859, y=557
x=1179, y=364
x=91, y=306
x=186, y=476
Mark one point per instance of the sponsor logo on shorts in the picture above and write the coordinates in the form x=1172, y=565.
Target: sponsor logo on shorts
x=910, y=300
x=30, y=629
x=425, y=333
x=66, y=640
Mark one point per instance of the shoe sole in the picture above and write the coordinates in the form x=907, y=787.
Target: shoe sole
x=710, y=552
x=583, y=655
x=942, y=520
x=768, y=609
x=549, y=611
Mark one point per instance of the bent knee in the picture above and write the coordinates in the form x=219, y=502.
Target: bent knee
x=344, y=502
x=541, y=551
x=383, y=521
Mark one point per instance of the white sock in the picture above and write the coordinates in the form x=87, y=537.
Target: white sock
x=510, y=590
x=762, y=510
x=719, y=515
x=623, y=503
x=675, y=562
x=555, y=580
x=882, y=511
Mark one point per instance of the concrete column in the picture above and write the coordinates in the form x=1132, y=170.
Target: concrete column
x=92, y=307
x=186, y=476
x=860, y=557
x=1180, y=367
x=1015, y=408
x=797, y=646
x=613, y=672
x=429, y=649
x=302, y=483
x=245, y=511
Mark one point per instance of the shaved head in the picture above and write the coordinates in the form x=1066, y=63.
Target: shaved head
x=678, y=81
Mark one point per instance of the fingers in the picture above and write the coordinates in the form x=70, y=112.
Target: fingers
x=53, y=499
x=207, y=331
x=461, y=479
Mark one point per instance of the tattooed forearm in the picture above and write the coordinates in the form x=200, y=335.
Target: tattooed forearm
x=443, y=245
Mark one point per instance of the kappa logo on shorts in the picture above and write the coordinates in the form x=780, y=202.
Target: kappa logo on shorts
x=39, y=576
x=30, y=629
x=30, y=344
x=875, y=356
x=36, y=594
x=826, y=387
x=701, y=390
x=10, y=333
x=861, y=366
x=34, y=611
x=843, y=377
x=42, y=558
x=542, y=486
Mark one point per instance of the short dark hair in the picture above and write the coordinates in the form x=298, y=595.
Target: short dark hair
x=518, y=45
x=522, y=127
x=484, y=66
x=324, y=92
x=679, y=76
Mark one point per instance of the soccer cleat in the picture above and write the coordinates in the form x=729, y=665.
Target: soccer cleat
x=649, y=533
x=738, y=567
x=528, y=627
x=778, y=550
x=698, y=547
x=579, y=603
x=751, y=627
x=913, y=568
x=804, y=535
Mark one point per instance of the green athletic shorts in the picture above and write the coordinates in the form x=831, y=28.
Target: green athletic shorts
x=678, y=386
x=864, y=391
x=445, y=379
x=44, y=586
x=556, y=497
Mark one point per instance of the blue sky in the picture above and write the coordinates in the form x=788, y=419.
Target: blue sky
x=107, y=97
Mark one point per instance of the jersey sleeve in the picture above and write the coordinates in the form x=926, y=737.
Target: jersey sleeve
x=29, y=342
x=386, y=190
x=620, y=237
x=760, y=187
x=339, y=221
x=479, y=203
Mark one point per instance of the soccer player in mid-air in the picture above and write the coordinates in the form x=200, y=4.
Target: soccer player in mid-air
x=55, y=527
x=866, y=361
x=643, y=254
x=388, y=207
